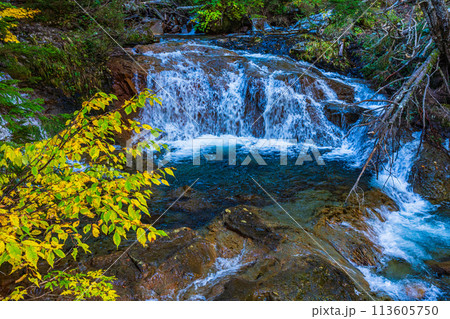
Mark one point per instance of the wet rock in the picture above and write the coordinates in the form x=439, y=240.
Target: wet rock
x=246, y=221
x=126, y=74
x=156, y=26
x=189, y=200
x=245, y=254
x=348, y=234
x=251, y=199
x=342, y=115
x=189, y=263
x=430, y=175
x=344, y=92
x=416, y=291
x=346, y=227
x=398, y=269
x=308, y=278
x=439, y=267
x=373, y=199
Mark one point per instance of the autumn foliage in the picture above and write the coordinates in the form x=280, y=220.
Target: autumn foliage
x=57, y=192
x=8, y=20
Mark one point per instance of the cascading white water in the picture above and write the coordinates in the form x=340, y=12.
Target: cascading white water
x=412, y=232
x=210, y=90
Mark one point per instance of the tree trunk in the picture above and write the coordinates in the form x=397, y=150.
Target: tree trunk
x=438, y=18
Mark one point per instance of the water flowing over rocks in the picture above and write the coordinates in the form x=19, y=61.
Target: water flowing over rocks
x=239, y=94
x=242, y=255
x=348, y=230
x=226, y=89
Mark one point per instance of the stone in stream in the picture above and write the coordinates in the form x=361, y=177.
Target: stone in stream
x=306, y=278
x=440, y=267
x=189, y=200
x=246, y=221
x=416, y=291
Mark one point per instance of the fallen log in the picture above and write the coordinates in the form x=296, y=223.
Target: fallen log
x=385, y=124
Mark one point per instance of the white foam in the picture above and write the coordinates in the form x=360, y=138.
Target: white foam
x=223, y=267
x=399, y=289
x=410, y=233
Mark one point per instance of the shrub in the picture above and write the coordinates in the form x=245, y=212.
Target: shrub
x=56, y=192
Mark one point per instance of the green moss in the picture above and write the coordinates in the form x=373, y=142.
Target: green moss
x=327, y=52
x=78, y=66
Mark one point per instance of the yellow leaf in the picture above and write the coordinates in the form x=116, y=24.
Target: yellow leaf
x=95, y=231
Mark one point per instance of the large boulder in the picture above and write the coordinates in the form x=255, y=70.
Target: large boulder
x=304, y=278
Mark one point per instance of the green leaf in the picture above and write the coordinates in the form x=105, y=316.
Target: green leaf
x=4, y=257
x=116, y=239
x=87, y=228
x=169, y=171
x=105, y=229
x=31, y=254
x=75, y=253
x=141, y=237
x=60, y=253
x=14, y=250
x=51, y=258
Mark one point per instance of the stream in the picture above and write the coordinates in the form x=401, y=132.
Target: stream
x=264, y=112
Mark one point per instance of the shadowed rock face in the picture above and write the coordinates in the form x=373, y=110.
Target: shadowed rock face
x=430, y=175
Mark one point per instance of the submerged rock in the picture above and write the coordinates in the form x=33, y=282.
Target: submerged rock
x=416, y=291
x=189, y=200
x=245, y=220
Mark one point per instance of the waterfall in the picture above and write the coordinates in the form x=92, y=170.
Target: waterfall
x=210, y=90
